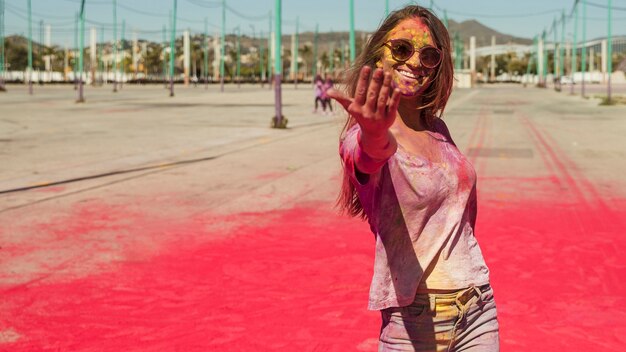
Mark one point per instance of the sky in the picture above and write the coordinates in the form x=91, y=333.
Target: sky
x=146, y=18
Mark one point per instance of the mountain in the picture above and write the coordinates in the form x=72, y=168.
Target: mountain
x=483, y=34
x=465, y=30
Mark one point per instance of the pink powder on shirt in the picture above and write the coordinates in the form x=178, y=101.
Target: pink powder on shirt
x=422, y=214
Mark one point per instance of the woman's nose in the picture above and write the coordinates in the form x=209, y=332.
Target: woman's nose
x=414, y=61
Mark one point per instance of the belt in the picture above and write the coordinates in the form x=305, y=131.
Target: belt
x=473, y=291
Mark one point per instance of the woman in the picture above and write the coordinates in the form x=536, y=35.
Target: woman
x=328, y=85
x=404, y=174
x=318, y=88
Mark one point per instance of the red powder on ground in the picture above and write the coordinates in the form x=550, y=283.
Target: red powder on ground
x=300, y=283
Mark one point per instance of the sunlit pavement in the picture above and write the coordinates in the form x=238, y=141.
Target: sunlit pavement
x=140, y=222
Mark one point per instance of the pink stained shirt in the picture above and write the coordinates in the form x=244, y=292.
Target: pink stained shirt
x=319, y=89
x=422, y=215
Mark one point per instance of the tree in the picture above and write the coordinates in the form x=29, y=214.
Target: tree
x=517, y=66
x=16, y=56
x=153, y=59
x=306, y=53
x=325, y=60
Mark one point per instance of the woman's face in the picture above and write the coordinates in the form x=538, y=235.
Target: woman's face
x=410, y=77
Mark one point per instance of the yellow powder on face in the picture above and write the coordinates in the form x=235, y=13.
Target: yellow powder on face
x=414, y=30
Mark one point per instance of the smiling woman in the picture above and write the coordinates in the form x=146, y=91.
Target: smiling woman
x=404, y=174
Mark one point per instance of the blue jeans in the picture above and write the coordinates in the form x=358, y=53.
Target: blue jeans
x=440, y=322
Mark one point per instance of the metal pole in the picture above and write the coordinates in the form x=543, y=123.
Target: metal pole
x=562, y=46
x=93, y=55
x=386, y=8
x=536, y=53
x=583, y=53
x=173, y=49
x=609, y=62
x=114, y=46
x=81, y=98
x=544, y=53
x=123, y=53
x=30, y=50
x=74, y=51
x=40, y=52
x=100, y=60
x=261, y=63
x=492, y=65
x=352, y=36
x=206, y=53
x=574, y=46
x=315, y=38
x=269, y=53
x=163, y=50
x=295, y=55
x=222, y=46
x=555, y=58
x=238, y=47
x=253, y=78
x=278, y=121
x=2, y=87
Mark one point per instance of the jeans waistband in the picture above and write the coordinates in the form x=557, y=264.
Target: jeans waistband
x=459, y=298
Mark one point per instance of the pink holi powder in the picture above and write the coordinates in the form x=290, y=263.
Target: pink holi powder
x=271, y=175
x=302, y=279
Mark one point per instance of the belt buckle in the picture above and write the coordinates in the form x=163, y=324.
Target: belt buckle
x=467, y=295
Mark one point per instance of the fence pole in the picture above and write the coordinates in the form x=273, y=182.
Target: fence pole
x=115, y=46
x=205, y=43
x=583, y=53
x=222, y=45
x=173, y=49
x=30, y=49
x=315, y=38
x=295, y=55
x=81, y=98
x=609, y=63
x=2, y=86
x=352, y=34
x=278, y=121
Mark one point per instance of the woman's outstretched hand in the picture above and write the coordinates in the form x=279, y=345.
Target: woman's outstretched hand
x=372, y=107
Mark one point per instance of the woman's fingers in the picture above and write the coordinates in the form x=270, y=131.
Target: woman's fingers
x=361, y=86
x=393, y=104
x=372, y=106
x=374, y=90
x=341, y=98
x=383, y=96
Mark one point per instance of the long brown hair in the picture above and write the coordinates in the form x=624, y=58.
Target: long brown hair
x=434, y=99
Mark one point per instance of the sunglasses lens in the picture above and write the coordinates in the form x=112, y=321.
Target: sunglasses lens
x=430, y=57
x=401, y=50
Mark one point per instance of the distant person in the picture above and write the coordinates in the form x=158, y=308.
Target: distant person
x=318, y=87
x=405, y=175
x=326, y=102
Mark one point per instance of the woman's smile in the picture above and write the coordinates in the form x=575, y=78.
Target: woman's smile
x=411, y=76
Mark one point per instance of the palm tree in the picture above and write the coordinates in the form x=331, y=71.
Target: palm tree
x=306, y=53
